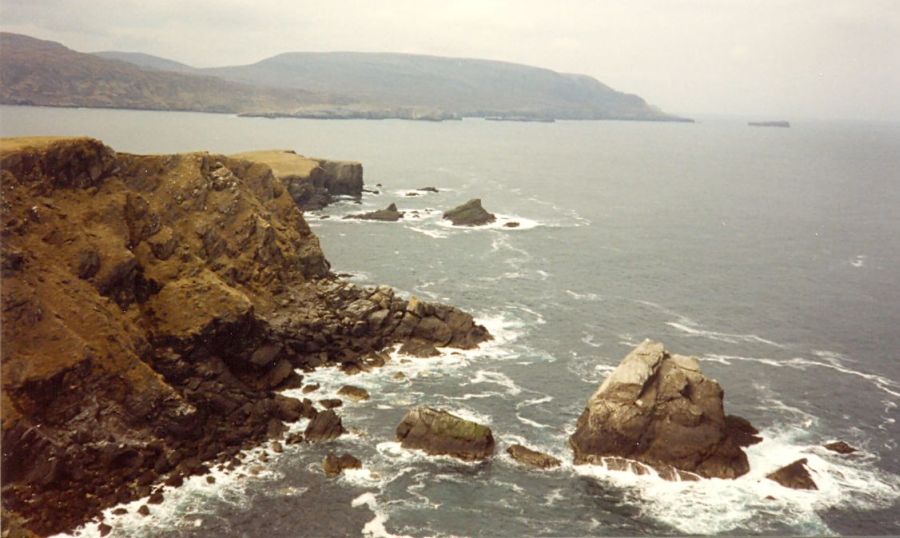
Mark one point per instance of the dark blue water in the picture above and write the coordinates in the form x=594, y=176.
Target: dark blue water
x=773, y=255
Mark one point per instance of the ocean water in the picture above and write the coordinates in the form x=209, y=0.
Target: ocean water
x=773, y=255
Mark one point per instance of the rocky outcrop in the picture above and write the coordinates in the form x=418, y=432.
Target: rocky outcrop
x=469, y=214
x=151, y=305
x=388, y=214
x=532, y=458
x=794, y=476
x=357, y=394
x=312, y=183
x=438, y=432
x=660, y=410
x=840, y=447
x=334, y=465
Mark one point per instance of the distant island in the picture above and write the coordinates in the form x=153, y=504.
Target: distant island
x=319, y=85
x=780, y=123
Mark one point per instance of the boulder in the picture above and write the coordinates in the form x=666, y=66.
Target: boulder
x=532, y=458
x=469, y=214
x=356, y=394
x=840, y=447
x=334, y=465
x=419, y=348
x=794, y=476
x=438, y=432
x=325, y=426
x=388, y=214
x=660, y=410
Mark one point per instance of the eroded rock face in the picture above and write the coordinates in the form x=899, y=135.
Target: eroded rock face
x=794, y=476
x=151, y=306
x=438, y=432
x=469, y=214
x=659, y=409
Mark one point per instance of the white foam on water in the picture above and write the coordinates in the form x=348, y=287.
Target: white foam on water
x=433, y=233
x=713, y=506
x=859, y=261
x=186, y=505
x=584, y=296
x=588, y=339
x=500, y=224
x=374, y=528
x=720, y=336
x=887, y=385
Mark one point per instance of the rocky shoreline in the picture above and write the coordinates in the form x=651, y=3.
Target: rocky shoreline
x=152, y=306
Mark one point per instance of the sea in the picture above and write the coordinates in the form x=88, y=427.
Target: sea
x=771, y=254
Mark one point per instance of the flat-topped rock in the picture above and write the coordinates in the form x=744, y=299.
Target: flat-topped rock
x=470, y=213
x=438, y=432
x=532, y=458
x=660, y=410
x=311, y=182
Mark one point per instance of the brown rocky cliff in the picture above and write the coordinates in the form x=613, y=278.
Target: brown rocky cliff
x=150, y=306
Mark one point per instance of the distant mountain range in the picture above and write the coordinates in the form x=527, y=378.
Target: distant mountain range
x=309, y=84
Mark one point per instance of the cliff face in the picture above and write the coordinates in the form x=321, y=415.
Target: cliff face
x=151, y=305
x=312, y=183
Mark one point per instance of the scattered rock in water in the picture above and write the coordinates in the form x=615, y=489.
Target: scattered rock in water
x=388, y=214
x=356, y=394
x=428, y=189
x=469, y=214
x=840, y=447
x=276, y=447
x=437, y=432
x=331, y=403
x=660, y=410
x=210, y=479
x=334, y=465
x=399, y=376
x=156, y=497
x=310, y=388
x=104, y=529
x=532, y=458
x=120, y=511
x=511, y=224
x=144, y=510
x=794, y=476
x=324, y=427
x=411, y=194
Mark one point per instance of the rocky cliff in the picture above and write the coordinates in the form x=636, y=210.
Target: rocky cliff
x=151, y=306
x=312, y=183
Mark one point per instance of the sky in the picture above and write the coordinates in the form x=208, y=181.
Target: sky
x=768, y=59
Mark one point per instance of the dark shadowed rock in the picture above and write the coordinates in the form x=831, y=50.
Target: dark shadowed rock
x=388, y=214
x=438, y=432
x=325, y=426
x=795, y=476
x=469, y=214
x=428, y=189
x=532, y=458
x=419, y=348
x=331, y=403
x=840, y=447
x=659, y=409
x=334, y=465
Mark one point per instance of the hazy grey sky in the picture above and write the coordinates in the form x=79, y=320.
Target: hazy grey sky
x=778, y=59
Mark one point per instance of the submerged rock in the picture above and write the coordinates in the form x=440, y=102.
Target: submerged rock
x=840, y=447
x=532, y=458
x=334, y=465
x=438, y=432
x=469, y=214
x=660, y=410
x=388, y=214
x=794, y=476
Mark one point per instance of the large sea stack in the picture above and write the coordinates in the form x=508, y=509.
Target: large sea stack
x=660, y=410
x=151, y=305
